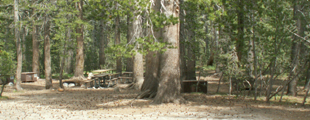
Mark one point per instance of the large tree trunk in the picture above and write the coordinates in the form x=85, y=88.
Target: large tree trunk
x=150, y=84
x=47, y=53
x=18, y=46
x=169, y=88
x=102, y=37
x=79, y=63
x=35, y=51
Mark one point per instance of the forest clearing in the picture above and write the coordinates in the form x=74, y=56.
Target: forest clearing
x=157, y=59
x=34, y=102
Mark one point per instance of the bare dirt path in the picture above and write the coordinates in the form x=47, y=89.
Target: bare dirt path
x=79, y=104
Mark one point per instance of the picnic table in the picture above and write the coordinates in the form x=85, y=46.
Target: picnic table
x=126, y=75
x=102, y=76
x=103, y=71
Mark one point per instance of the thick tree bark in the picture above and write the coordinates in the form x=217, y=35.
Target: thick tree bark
x=18, y=46
x=169, y=88
x=35, y=51
x=102, y=46
x=79, y=63
x=150, y=84
x=47, y=53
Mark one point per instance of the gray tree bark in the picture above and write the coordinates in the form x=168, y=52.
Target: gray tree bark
x=137, y=32
x=18, y=45
x=68, y=61
x=47, y=53
x=35, y=51
x=79, y=63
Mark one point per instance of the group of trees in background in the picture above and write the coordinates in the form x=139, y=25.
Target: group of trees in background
x=250, y=41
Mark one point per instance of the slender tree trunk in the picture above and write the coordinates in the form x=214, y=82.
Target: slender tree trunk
x=129, y=64
x=138, y=71
x=255, y=66
x=79, y=63
x=137, y=32
x=292, y=87
x=102, y=46
x=215, y=50
x=18, y=45
x=182, y=41
x=307, y=90
x=295, y=53
x=169, y=88
x=118, y=40
x=307, y=86
x=24, y=48
x=62, y=63
x=191, y=62
x=272, y=67
x=240, y=40
x=47, y=53
x=69, y=68
x=35, y=51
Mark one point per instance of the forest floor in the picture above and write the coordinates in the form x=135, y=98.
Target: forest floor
x=34, y=102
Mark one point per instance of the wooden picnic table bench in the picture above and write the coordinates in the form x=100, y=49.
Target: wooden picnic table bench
x=126, y=75
x=102, y=77
x=103, y=71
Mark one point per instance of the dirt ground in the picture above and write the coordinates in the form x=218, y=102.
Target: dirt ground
x=34, y=102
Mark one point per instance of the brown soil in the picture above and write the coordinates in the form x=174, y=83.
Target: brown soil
x=78, y=103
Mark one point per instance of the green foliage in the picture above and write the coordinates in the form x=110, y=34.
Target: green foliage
x=7, y=63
